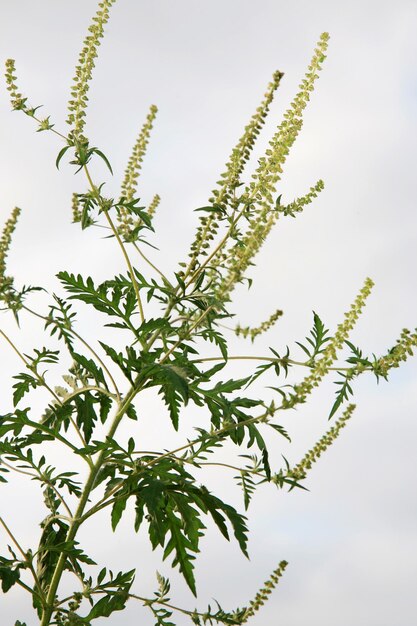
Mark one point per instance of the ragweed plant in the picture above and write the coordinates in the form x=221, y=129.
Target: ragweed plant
x=102, y=387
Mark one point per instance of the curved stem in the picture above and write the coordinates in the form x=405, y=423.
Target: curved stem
x=149, y=603
x=149, y=262
x=24, y=554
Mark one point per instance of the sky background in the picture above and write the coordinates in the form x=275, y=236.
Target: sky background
x=351, y=540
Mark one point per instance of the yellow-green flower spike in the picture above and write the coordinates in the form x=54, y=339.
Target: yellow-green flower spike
x=130, y=181
x=230, y=178
x=260, y=193
x=153, y=205
x=6, y=282
x=252, y=333
x=76, y=211
x=323, y=365
x=263, y=594
x=18, y=102
x=299, y=472
x=299, y=203
x=83, y=72
x=241, y=153
x=404, y=347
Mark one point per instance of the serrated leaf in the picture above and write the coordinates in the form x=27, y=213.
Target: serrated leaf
x=107, y=605
x=9, y=574
x=117, y=511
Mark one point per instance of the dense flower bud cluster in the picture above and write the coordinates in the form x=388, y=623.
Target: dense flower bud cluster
x=300, y=470
x=329, y=354
x=84, y=70
x=259, y=195
x=262, y=595
x=17, y=99
x=230, y=178
x=129, y=184
x=258, y=330
x=128, y=222
x=400, y=352
x=153, y=205
x=7, y=292
x=299, y=203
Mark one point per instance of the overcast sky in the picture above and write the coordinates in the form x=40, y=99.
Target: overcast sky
x=351, y=540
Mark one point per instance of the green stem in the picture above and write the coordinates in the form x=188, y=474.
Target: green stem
x=78, y=519
x=149, y=262
x=283, y=361
x=190, y=330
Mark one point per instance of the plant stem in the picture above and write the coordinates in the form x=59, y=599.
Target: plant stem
x=78, y=519
x=149, y=262
x=23, y=553
x=283, y=360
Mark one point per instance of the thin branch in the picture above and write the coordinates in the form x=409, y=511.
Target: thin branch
x=13, y=538
x=120, y=242
x=282, y=361
x=101, y=504
x=43, y=383
x=149, y=262
x=23, y=553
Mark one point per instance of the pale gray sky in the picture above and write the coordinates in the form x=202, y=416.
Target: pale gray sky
x=351, y=541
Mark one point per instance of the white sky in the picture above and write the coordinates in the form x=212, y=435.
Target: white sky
x=351, y=541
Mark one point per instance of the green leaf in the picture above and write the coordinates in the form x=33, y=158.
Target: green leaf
x=317, y=340
x=118, y=358
x=173, y=387
x=9, y=574
x=89, y=365
x=230, y=385
x=86, y=415
x=102, y=156
x=179, y=543
x=211, y=208
x=107, y=605
x=117, y=511
x=26, y=383
x=105, y=405
x=343, y=393
x=61, y=154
